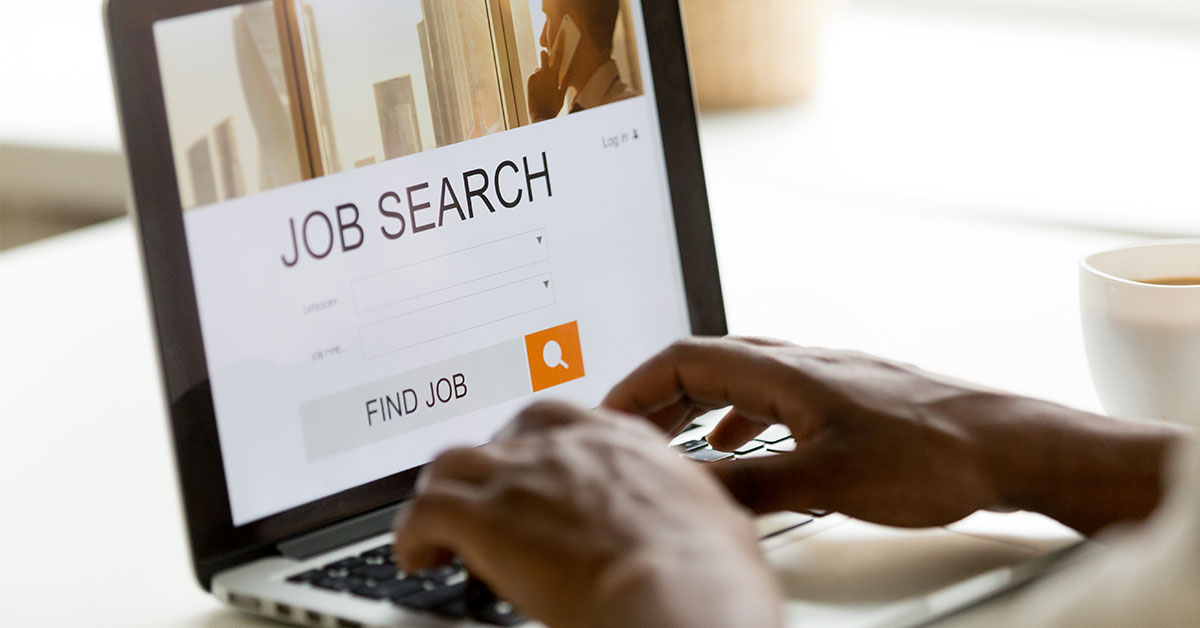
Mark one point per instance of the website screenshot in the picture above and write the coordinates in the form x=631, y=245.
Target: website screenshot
x=408, y=219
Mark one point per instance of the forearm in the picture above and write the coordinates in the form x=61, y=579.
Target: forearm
x=1084, y=470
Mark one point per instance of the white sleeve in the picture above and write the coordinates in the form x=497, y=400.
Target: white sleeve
x=1149, y=576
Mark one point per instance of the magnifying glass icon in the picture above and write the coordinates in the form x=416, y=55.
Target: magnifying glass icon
x=552, y=355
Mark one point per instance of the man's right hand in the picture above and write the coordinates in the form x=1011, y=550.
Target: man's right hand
x=889, y=443
x=545, y=95
x=585, y=518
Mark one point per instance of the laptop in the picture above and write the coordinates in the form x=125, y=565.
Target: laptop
x=375, y=229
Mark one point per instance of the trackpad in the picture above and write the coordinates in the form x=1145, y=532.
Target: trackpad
x=860, y=574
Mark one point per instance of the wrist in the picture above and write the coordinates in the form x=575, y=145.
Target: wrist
x=1087, y=471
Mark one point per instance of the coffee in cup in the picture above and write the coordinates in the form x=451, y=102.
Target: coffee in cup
x=1140, y=310
x=1173, y=281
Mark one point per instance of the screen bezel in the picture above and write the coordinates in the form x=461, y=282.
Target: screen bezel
x=156, y=209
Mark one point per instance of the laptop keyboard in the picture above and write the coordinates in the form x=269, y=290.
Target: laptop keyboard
x=446, y=591
x=449, y=592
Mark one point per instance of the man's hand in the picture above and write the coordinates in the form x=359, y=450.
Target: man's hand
x=545, y=94
x=889, y=443
x=586, y=518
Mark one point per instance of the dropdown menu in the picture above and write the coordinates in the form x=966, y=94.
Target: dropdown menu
x=457, y=315
x=423, y=278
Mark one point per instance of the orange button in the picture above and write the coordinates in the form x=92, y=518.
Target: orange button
x=554, y=356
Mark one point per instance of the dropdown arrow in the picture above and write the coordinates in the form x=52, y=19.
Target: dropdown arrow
x=539, y=239
x=546, y=283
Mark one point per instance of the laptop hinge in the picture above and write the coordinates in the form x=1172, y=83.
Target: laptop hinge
x=339, y=534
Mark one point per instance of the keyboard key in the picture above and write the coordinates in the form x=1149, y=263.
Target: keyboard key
x=783, y=447
x=482, y=605
x=375, y=572
x=345, y=563
x=708, y=455
x=342, y=568
x=749, y=447
x=378, y=556
x=393, y=589
x=307, y=577
x=500, y=613
x=446, y=574
x=338, y=584
x=430, y=599
x=774, y=434
x=692, y=445
x=454, y=609
x=384, y=551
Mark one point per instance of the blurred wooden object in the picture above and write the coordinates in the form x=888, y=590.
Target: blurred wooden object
x=47, y=189
x=749, y=53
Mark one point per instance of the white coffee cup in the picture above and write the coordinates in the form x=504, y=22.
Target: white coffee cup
x=1143, y=340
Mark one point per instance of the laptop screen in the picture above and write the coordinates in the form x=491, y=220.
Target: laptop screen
x=406, y=219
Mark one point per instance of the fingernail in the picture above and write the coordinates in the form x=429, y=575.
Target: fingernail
x=422, y=482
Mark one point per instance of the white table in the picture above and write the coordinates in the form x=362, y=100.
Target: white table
x=842, y=223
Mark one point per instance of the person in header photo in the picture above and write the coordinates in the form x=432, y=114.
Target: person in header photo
x=584, y=518
x=576, y=59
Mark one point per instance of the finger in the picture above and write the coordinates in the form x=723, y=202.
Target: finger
x=674, y=418
x=761, y=341
x=540, y=416
x=716, y=373
x=733, y=431
x=439, y=523
x=465, y=464
x=790, y=481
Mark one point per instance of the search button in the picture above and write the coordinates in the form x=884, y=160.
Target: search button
x=554, y=356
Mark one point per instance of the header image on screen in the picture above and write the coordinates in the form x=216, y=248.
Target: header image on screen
x=291, y=90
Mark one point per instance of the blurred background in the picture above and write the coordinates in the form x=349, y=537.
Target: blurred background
x=1075, y=112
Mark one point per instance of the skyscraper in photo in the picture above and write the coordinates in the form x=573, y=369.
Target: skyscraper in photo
x=437, y=108
x=260, y=22
x=442, y=80
x=397, y=110
x=229, y=164
x=324, y=113
x=204, y=183
x=261, y=72
x=460, y=69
